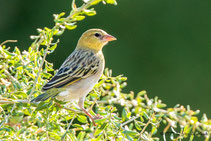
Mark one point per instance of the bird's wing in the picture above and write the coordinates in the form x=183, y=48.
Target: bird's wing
x=79, y=65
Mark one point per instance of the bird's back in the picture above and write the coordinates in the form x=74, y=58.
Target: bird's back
x=79, y=65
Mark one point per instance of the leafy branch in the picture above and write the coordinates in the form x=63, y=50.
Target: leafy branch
x=127, y=116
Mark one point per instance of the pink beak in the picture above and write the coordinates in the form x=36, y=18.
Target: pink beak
x=109, y=38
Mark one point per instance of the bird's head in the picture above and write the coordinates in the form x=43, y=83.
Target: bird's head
x=94, y=39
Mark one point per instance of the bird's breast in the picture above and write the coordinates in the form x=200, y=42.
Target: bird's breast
x=82, y=87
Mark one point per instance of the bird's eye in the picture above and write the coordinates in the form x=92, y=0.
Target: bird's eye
x=97, y=35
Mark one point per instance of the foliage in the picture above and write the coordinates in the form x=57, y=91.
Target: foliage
x=126, y=116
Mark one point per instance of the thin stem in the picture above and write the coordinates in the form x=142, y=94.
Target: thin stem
x=167, y=127
x=80, y=9
x=40, y=68
x=47, y=124
x=129, y=121
x=7, y=41
x=90, y=108
x=71, y=122
x=164, y=136
x=62, y=138
x=13, y=101
x=148, y=122
x=10, y=76
x=70, y=109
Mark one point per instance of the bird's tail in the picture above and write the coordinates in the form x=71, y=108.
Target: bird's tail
x=48, y=94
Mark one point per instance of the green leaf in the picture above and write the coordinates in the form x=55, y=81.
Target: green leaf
x=90, y=12
x=9, y=53
x=130, y=133
x=21, y=93
x=80, y=136
x=124, y=114
x=103, y=126
x=141, y=93
x=6, y=129
x=99, y=138
x=57, y=16
x=191, y=137
x=46, y=75
x=97, y=132
x=138, y=127
x=118, y=118
x=17, y=51
x=54, y=135
x=95, y=2
x=100, y=120
x=187, y=130
x=161, y=105
x=17, y=118
x=70, y=27
x=19, y=132
x=82, y=119
x=111, y=2
x=145, y=115
x=41, y=106
x=53, y=47
x=128, y=115
x=154, y=130
x=79, y=18
x=78, y=126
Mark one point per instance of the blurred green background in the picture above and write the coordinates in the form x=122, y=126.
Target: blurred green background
x=163, y=46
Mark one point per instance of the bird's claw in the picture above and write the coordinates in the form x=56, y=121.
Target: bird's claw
x=98, y=116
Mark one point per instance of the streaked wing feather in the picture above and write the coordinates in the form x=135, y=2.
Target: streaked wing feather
x=80, y=64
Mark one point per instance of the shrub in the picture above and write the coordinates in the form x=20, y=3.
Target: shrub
x=127, y=116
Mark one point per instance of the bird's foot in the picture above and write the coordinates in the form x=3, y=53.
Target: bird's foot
x=93, y=118
x=98, y=116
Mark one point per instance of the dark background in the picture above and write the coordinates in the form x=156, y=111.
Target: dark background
x=163, y=46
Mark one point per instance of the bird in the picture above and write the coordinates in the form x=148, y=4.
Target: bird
x=80, y=71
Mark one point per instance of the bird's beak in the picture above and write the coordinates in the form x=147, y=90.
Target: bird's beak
x=109, y=38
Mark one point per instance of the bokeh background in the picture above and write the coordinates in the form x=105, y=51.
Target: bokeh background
x=163, y=46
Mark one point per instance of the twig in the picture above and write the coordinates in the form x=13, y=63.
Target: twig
x=167, y=127
x=10, y=76
x=80, y=9
x=175, y=132
x=27, y=101
x=7, y=41
x=71, y=122
x=13, y=101
x=148, y=122
x=73, y=5
x=129, y=121
x=70, y=109
x=164, y=136
x=90, y=108
x=68, y=127
x=40, y=68
x=165, y=130
x=47, y=122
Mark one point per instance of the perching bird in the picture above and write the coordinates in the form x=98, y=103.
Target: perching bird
x=80, y=71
